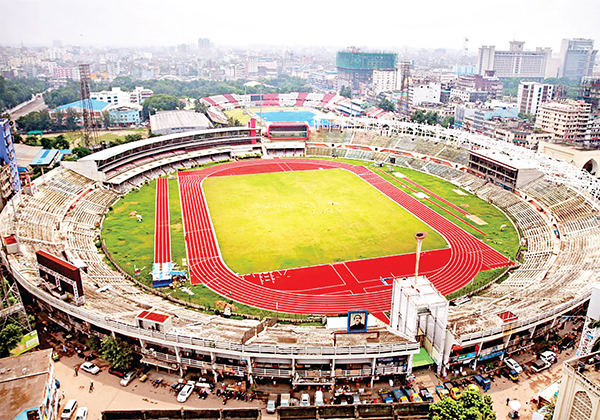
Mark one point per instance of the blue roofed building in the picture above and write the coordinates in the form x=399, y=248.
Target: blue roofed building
x=125, y=115
x=46, y=157
x=97, y=107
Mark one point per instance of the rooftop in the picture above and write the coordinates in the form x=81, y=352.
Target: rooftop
x=180, y=120
x=23, y=381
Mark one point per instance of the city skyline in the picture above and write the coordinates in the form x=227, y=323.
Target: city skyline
x=389, y=26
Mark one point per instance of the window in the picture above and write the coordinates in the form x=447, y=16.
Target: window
x=582, y=406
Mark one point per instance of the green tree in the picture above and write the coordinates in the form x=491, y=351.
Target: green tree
x=418, y=117
x=160, y=102
x=47, y=142
x=447, y=122
x=471, y=406
x=80, y=152
x=71, y=120
x=61, y=142
x=432, y=118
x=10, y=336
x=346, y=91
x=386, y=105
x=106, y=119
x=116, y=352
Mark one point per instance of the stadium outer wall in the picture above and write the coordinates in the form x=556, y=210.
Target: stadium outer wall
x=92, y=324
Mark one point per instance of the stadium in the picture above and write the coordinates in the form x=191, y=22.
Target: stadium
x=552, y=204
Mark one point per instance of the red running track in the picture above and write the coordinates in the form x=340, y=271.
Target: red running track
x=331, y=288
x=162, y=232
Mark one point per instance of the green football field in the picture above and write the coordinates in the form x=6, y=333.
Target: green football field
x=274, y=221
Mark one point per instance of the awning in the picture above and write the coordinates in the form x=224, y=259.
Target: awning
x=422, y=358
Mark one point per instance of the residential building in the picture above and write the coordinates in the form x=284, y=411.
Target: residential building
x=567, y=120
x=28, y=387
x=384, y=81
x=577, y=58
x=516, y=62
x=531, y=94
x=425, y=93
x=522, y=137
x=8, y=157
x=139, y=95
x=125, y=115
x=579, y=392
x=476, y=88
x=115, y=96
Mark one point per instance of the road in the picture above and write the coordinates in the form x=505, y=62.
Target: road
x=37, y=104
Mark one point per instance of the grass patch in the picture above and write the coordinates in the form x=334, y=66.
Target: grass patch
x=285, y=220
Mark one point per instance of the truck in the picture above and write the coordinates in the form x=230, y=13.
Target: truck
x=484, y=383
x=386, y=397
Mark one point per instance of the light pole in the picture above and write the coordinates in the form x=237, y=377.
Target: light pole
x=419, y=236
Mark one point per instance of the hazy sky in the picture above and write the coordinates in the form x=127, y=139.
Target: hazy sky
x=383, y=24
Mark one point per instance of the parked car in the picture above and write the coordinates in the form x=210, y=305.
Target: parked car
x=81, y=413
x=387, y=398
x=69, y=409
x=304, y=400
x=319, y=400
x=89, y=367
x=512, y=364
x=484, y=383
x=510, y=374
x=356, y=399
x=441, y=392
x=285, y=400
x=540, y=365
x=116, y=372
x=272, y=403
x=128, y=377
x=412, y=395
x=426, y=395
x=185, y=392
x=548, y=356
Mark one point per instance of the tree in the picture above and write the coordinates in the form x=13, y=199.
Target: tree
x=106, y=119
x=159, y=102
x=116, y=352
x=346, y=91
x=447, y=122
x=10, y=336
x=418, y=117
x=386, y=105
x=81, y=152
x=471, y=406
x=60, y=142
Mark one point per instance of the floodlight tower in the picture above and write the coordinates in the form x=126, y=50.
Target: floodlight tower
x=12, y=310
x=419, y=236
x=87, y=110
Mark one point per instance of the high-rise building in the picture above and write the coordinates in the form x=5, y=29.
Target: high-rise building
x=7, y=154
x=577, y=58
x=567, y=120
x=531, y=94
x=514, y=63
x=203, y=43
x=356, y=67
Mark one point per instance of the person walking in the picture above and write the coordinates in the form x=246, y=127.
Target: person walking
x=76, y=370
x=92, y=386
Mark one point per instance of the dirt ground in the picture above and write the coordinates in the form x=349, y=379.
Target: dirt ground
x=109, y=395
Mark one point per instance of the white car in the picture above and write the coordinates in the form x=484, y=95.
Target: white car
x=185, y=392
x=89, y=367
x=548, y=356
x=128, y=377
x=512, y=364
x=81, y=413
x=304, y=400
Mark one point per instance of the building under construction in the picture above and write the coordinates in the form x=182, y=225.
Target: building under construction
x=356, y=67
x=589, y=91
